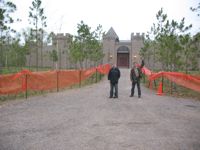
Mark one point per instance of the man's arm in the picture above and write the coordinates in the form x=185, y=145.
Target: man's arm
x=142, y=64
x=131, y=75
x=109, y=75
x=119, y=73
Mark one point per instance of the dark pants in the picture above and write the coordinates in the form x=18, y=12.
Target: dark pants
x=133, y=88
x=113, y=87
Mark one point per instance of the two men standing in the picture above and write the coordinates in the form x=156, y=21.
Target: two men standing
x=135, y=76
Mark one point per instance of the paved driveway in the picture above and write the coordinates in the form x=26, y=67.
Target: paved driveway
x=86, y=119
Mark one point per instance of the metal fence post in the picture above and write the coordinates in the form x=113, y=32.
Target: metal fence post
x=57, y=79
x=96, y=75
x=26, y=79
x=162, y=83
x=80, y=78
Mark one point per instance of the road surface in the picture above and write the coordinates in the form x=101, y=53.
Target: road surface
x=87, y=119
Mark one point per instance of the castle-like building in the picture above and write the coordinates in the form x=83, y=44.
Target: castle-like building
x=119, y=52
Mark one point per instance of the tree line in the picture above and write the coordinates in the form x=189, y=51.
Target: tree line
x=170, y=44
x=84, y=47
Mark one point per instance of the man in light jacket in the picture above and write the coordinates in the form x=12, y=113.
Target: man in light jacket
x=135, y=76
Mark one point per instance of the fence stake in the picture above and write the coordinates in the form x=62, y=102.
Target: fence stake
x=144, y=78
x=162, y=83
x=171, y=86
x=57, y=79
x=154, y=81
x=149, y=84
x=80, y=78
x=96, y=75
x=26, y=86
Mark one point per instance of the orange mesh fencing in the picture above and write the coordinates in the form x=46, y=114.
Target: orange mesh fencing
x=47, y=80
x=185, y=80
x=103, y=69
x=68, y=78
x=42, y=80
x=87, y=73
x=146, y=71
x=7, y=85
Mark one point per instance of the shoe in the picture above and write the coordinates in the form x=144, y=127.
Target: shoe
x=110, y=97
x=131, y=96
x=139, y=96
x=115, y=96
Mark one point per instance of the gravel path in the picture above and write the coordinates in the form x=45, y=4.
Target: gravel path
x=86, y=119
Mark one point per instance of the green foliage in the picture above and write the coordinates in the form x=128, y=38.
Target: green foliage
x=15, y=54
x=197, y=9
x=6, y=9
x=11, y=52
x=38, y=20
x=54, y=55
x=170, y=44
x=86, y=45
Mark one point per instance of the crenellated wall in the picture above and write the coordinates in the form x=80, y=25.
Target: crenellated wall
x=137, y=42
x=112, y=46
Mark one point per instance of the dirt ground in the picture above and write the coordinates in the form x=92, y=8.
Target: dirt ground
x=86, y=119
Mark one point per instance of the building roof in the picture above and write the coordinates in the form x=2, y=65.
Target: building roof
x=112, y=34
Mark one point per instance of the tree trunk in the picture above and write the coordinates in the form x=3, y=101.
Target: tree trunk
x=42, y=51
x=186, y=65
x=37, y=44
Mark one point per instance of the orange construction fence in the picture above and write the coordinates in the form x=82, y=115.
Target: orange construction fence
x=47, y=80
x=189, y=81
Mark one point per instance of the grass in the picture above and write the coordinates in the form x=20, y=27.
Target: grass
x=11, y=70
x=173, y=89
x=192, y=72
x=187, y=93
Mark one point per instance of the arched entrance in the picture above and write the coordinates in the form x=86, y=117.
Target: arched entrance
x=123, y=57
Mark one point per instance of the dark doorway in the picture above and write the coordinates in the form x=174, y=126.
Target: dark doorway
x=123, y=60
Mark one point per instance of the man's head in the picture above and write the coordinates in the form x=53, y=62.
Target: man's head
x=134, y=64
x=114, y=65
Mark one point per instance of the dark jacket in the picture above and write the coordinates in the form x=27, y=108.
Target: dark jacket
x=114, y=75
x=133, y=76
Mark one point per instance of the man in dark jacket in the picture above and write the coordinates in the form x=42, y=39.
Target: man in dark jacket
x=113, y=76
x=135, y=76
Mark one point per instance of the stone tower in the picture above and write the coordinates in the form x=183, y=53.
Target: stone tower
x=122, y=52
x=61, y=45
x=109, y=42
x=137, y=42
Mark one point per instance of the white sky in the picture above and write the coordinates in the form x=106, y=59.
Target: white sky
x=125, y=16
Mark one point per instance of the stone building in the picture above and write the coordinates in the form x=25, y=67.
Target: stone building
x=122, y=52
x=60, y=43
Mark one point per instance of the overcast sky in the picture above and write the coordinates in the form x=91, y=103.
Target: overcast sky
x=125, y=16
